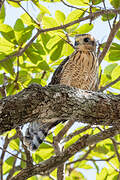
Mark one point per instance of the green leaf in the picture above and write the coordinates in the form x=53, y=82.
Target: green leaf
x=103, y=174
x=24, y=35
x=27, y=20
x=6, y=46
x=14, y=4
x=49, y=22
x=115, y=3
x=96, y=1
x=56, y=51
x=8, y=33
x=14, y=144
x=118, y=35
x=60, y=17
x=85, y=28
x=2, y=14
x=19, y=26
x=114, y=55
x=33, y=55
x=79, y=2
x=24, y=77
x=7, y=65
x=107, y=17
x=11, y=133
x=22, y=163
x=33, y=178
x=108, y=69
x=8, y=165
x=53, y=41
x=43, y=9
x=74, y=15
x=58, y=128
x=115, y=75
x=43, y=152
x=67, y=50
x=37, y=158
x=71, y=141
x=43, y=65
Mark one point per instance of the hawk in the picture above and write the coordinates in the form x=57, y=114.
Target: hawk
x=79, y=70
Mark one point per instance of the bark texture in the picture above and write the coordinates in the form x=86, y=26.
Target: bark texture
x=51, y=103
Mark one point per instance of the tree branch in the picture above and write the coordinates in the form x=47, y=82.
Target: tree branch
x=91, y=16
x=47, y=166
x=112, y=34
x=51, y=103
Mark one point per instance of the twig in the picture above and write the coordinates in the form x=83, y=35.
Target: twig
x=1, y=4
x=99, y=79
x=70, y=136
x=11, y=172
x=84, y=156
x=2, y=156
x=110, y=84
x=43, y=75
x=29, y=161
x=93, y=16
x=17, y=74
x=106, y=159
x=70, y=43
x=12, y=154
x=26, y=12
x=115, y=148
x=112, y=34
x=73, y=6
x=106, y=14
x=64, y=130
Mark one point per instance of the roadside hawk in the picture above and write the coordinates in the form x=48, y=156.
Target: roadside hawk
x=79, y=70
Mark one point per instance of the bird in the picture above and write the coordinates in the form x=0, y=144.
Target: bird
x=79, y=70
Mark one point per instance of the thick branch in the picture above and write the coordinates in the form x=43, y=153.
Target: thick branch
x=51, y=103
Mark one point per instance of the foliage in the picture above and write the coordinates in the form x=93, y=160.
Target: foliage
x=36, y=64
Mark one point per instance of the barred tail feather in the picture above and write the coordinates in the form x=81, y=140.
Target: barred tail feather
x=37, y=132
x=35, y=135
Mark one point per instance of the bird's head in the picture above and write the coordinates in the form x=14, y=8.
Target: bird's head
x=85, y=42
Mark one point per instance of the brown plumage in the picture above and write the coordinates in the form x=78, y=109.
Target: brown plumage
x=79, y=70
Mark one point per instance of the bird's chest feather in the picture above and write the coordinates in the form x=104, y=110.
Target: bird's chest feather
x=80, y=71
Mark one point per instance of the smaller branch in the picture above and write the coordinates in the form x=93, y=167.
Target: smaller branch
x=29, y=161
x=106, y=159
x=26, y=12
x=112, y=34
x=2, y=156
x=115, y=148
x=11, y=172
x=84, y=156
x=106, y=14
x=73, y=6
x=64, y=130
x=70, y=136
x=70, y=43
x=99, y=79
x=17, y=74
x=12, y=154
x=110, y=84
x=1, y=4
x=43, y=75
